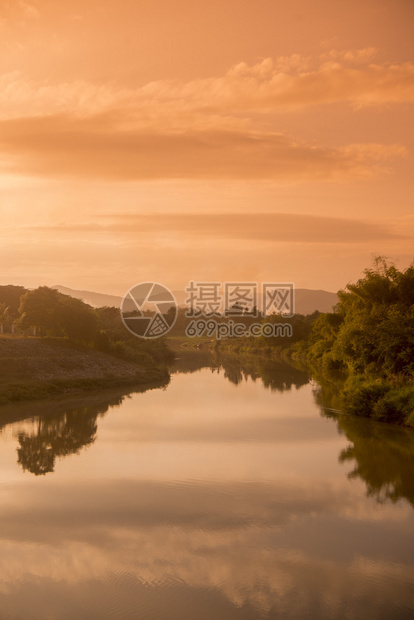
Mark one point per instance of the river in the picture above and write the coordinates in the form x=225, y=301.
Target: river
x=230, y=493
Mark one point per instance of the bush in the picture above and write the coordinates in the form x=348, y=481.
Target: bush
x=396, y=406
x=361, y=399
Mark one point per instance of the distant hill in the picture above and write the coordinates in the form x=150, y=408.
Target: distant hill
x=306, y=300
x=96, y=300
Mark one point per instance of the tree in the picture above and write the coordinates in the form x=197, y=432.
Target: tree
x=41, y=308
x=372, y=328
x=58, y=315
x=11, y=295
x=78, y=320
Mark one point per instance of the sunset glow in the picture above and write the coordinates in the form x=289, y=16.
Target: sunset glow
x=217, y=140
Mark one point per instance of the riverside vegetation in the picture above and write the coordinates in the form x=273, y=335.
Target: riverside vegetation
x=364, y=348
x=362, y=353
x=77, y=347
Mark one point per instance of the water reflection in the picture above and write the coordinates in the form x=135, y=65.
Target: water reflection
x=247, y=551
x=278, y=376
x=275, y=375
x=204, y=501
x=192, y=360
x=60, y=427
x=56, y=437
x=59, y=435
x=382, y=455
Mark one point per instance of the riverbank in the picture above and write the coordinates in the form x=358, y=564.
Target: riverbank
x=34, y=368
x=354, y=393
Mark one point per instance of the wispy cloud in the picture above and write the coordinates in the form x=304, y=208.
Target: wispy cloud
x=205, y=128
x=271, y=227
x=99, y=146
x=18, y=10
x=269, y=86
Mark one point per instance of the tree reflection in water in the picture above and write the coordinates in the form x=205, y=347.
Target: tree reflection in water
x=275, y=375
x=69, y=432
x=65, y=428
x=382, y=455
x=58, y=436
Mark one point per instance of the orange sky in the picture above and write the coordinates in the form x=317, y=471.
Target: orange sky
x=173, y=141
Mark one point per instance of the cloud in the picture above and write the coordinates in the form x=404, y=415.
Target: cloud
x=246, y=542
x=270, y=227
x=104, y=146
x=18, y=10
x=207, y=128
x=29, y=11
x=360, y=56
x=270, y=85
x=20, y=97
x=264, y=85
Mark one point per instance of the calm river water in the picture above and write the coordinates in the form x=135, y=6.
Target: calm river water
x=229, y=494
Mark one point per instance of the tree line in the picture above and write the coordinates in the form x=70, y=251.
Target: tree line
x=369, y=336
x=56, y=315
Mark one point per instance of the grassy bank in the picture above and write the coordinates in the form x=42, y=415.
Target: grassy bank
x=33, y=368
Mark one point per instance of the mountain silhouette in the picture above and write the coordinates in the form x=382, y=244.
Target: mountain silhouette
x=306, y=300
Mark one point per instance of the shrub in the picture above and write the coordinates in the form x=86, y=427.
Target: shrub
x=361, y=399
x=396, y=406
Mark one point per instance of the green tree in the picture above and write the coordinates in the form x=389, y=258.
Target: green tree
x=58, y=315
x=40, y=308
x=77, y=320
x=11, y=295
x=372, y=328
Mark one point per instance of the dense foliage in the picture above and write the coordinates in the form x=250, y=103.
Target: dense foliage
x=56, y=315
x=372, y=328
x=10, y=296
x=369, y=335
